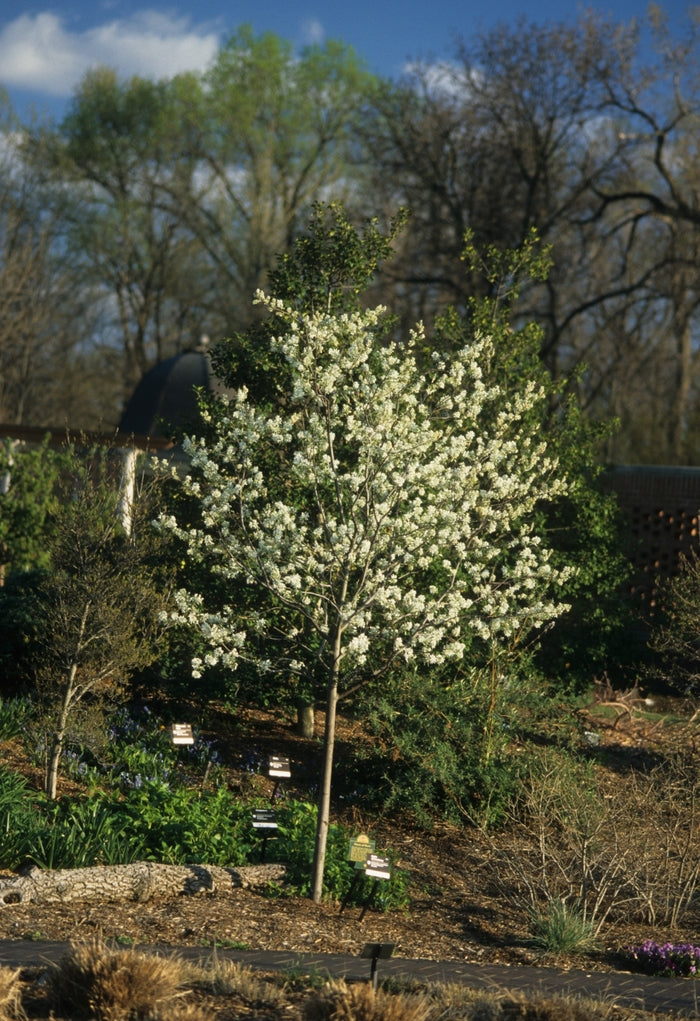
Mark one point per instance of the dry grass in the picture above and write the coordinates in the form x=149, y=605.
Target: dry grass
x=546, y=1008
x=342, y=1002
x=93, y=981
x=450, y=1002
x=10, y=995
x=228, y=978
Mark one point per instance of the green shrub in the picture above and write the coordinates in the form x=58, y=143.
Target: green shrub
x=16, y=818
x=141, y=750
x=341, y=881
x=13, y=712
x=81, y=832
x=184, y=825
x=296, y=840
x=443, y=743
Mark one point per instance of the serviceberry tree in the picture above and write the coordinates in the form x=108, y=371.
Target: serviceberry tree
x=382, y=510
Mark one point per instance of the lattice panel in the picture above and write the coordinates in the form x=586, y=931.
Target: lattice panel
x=663, y=508
x=662, y=538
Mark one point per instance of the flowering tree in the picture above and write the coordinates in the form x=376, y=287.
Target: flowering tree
x=382, y=511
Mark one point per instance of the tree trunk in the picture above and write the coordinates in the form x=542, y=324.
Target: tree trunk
x=139, y=881
x=127, y=487
x=305, y=718
x=324, y=798
x=52, y=764
x=56, y=747
x=69, y=700
x=683, y=377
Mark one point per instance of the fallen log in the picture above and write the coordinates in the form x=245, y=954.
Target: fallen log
x=139, y=881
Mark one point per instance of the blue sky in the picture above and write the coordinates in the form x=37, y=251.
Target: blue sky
x=46, y=47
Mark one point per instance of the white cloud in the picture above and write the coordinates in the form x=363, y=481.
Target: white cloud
x=442, y=77
x=313, y=31
x=39, y=53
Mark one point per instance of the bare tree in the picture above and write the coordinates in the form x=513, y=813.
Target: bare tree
x=108, y=164
x=45, y=312
x=563, y=128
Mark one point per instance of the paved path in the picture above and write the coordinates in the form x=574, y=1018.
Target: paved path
x=667, y=996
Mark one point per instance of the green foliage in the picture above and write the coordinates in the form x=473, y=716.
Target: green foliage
x=257, y=82
x=297, y=832
x=13, y=713
x=110, y=123
x=500, y=275
x=584, y=527
x=16, y=818
x=183, y=825
x=147, y=785
x=295, y=847
x=29, y=504
x=150, y=822
x=331, y=264
x=98, y=607
x=154, y=815
x=80, y=832
x=587, y=531
x=327, y=268
x=443, y=741
x=145, y=801
x=290, y=118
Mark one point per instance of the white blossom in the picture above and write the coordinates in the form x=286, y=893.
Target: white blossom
x=402, y=519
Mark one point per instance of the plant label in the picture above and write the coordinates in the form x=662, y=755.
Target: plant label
x=359, y=848
x=181, y=733
x=279, y=766
x=264, y=819
x=377, y=867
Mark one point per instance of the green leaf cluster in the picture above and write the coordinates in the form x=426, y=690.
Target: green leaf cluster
x=29, y=504
x=142, y=807
x=328, y=267
x=585, y=527
x=442, y=741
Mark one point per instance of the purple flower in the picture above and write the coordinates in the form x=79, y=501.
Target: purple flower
x=666, y=958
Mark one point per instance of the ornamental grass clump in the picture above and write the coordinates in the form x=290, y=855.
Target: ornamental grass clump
x=95, y=982
x=668, y=959
x=339, y=1001
x=561, y=928
x=10, y=994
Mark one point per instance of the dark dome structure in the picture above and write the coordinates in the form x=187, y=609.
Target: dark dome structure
x=166, y=395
